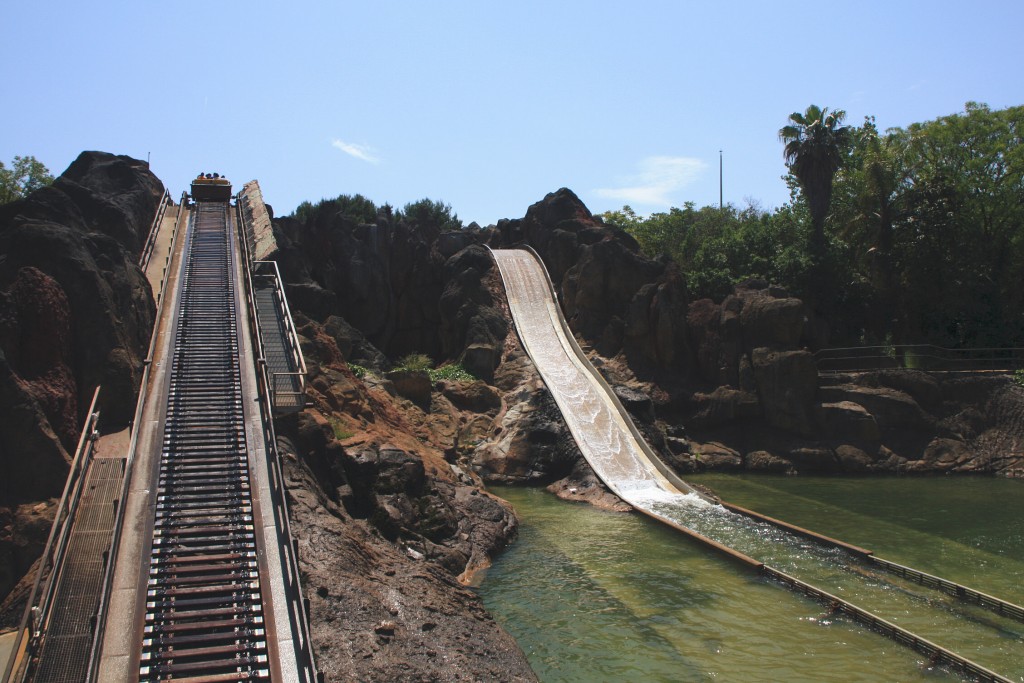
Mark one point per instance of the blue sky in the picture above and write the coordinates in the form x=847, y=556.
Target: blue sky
x=485, y=105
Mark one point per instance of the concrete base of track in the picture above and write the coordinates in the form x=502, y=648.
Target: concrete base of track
x=161, y=261
x=6, y=646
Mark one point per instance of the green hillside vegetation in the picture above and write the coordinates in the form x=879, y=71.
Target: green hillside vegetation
x=25, y=175
x=426, y=213
x=921, y=241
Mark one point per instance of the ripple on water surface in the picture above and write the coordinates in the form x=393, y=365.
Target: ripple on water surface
x=598, y=596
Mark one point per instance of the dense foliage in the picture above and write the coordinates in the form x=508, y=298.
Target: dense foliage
x=426, y=213
x=923, y=239
x=25, y=175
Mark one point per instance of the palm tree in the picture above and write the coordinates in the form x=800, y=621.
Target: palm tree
x=815, y=143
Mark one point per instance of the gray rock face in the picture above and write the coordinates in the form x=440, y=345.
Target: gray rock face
x=724, y=406
x=787, y=384
x=473, y=329
x=74, y=301
x=384, y=278
x=770, y=322
x=412, y=384
x=849, y=420
x=382, y=609
x=890, y=407
x=75, y=312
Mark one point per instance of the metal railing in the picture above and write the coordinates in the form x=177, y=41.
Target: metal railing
x=154, y=230
x=958, y=591
x=298, y=606
x=935, y=653
x=288, y=389
x=919, y=357
x=37, y=611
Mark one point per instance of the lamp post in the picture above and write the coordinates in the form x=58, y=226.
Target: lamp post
x=719, y=180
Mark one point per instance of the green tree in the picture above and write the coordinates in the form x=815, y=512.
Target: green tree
x=428, y=213
x=960, y=240
x=867, y=203
x=356, y=208
x=25, y=175
x=815, y=144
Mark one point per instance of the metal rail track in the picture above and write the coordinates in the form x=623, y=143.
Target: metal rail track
x=204, y=609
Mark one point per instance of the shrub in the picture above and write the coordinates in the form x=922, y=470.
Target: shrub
x=415, y=361
x=339, y=430
x=452, y=371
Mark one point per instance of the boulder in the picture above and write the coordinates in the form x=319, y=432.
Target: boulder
x=703, y=325
x=353, y=346
x=723, y=406
x=472, y=327
x=384, y=278
x=414, y=385
x=848, y=420
x=764, y=461
x=813, y=460
x=636, y=402
x=452, y=242
x=475, y=397
x=853, y=459
x=921, y=386
x=943, y=455
x=787, y=383
x=716, y=456
x=311, y=299
x=890, y=407
x=767, y=320
x=33, y=460
x=480, y=360
x=533, y=444
x=75, y=311
x=601, y=286
x=655, y=326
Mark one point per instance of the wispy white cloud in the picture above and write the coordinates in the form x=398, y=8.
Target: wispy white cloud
x=362, y=152
x=657, y=179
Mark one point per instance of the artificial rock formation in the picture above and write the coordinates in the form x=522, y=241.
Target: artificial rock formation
x=75, y=313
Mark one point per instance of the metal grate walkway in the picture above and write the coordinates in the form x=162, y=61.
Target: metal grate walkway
x=64, y=656
x=281, y=367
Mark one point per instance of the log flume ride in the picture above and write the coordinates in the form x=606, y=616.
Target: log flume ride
x=628, y=466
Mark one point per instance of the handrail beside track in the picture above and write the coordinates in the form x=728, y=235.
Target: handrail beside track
x=918, y=357
x=36, y=616
x=272, y=273
x=154, y=230
x=298, y=607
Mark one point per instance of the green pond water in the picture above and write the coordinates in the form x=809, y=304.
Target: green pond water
x=599, y=596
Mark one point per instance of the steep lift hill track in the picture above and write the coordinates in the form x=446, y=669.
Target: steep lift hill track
x=204, y=610
x=200, y=581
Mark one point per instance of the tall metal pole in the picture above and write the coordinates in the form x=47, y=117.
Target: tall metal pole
x=719, y=180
